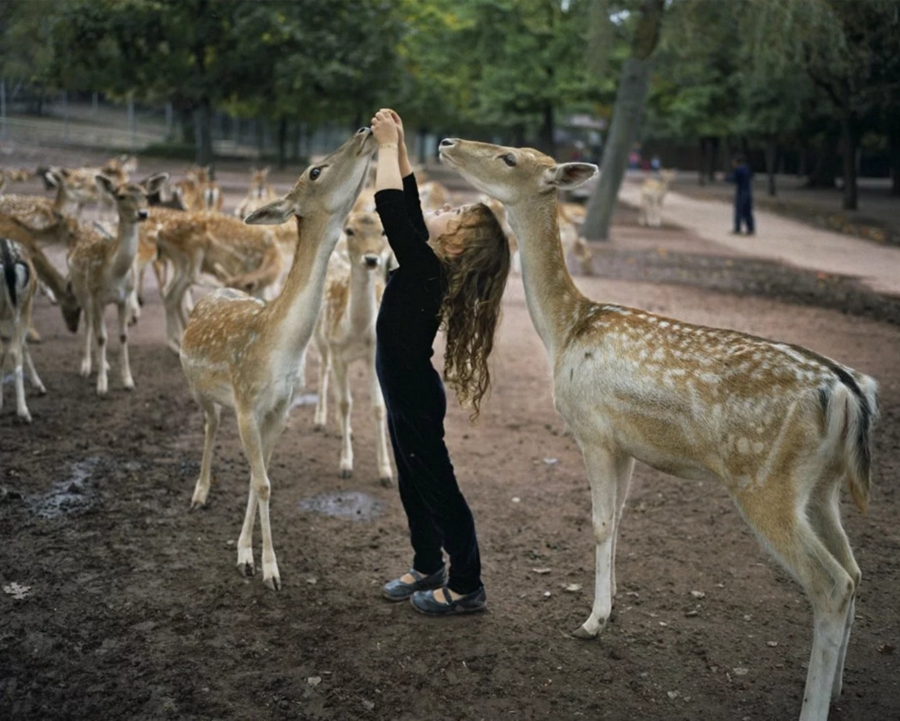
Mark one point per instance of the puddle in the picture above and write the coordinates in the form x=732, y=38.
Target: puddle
x=350, y=504
x=71, y=496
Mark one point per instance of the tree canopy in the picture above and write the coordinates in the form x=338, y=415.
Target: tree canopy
x=820, y=77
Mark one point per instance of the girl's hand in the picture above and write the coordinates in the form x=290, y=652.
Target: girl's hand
x=384, y=128
x=401, y=134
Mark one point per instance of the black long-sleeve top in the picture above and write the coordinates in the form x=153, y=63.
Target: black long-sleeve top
x=408, y=319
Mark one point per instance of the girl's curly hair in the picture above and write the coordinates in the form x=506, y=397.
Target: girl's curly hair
x=470, y=312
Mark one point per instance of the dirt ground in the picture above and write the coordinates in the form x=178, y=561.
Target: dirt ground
x=128, y=606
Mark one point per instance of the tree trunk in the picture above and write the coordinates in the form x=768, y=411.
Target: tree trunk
x=824, y=171
x=771, y=153
x=701, y=163
x=848, y=141
x=894, y=155
x=548, y=143
x=282, y=142
x=203, y=132
x=633, y=84
x=623, y=133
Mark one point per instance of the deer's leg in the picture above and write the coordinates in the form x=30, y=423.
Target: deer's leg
x=345, y=404
x=385, y=473
x=102, y=343
x=621, y=495
x=321, y=417
x=32, y=372
x=16, y=348
x=824, y=516
x=793, y=539
x=607, y=470
x=212, y=413
x=88, y=338
x=125, y=310
x=260, y=491
x=175, y=314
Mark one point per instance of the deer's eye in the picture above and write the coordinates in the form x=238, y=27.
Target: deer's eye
x=315, y=173
x=510, y=160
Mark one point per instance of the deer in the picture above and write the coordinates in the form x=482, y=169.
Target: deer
x=237, y=255
x=345, y=333
x=19, y=284
x=62, y=231
x=653, y=191
x=37, y=213
x=781, y=427
x=570, y=216
x=243, y=353
x=198, y=191
x=259, y=194
x=101, y=270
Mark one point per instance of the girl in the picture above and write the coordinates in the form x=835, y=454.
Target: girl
x=453, y=269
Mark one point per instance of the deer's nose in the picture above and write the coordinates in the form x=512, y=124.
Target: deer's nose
x=142, y=215
x=371, y=261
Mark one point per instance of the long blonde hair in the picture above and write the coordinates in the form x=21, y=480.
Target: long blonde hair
x=470, y=311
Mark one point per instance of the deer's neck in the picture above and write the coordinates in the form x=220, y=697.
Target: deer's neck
x=126, y=247
x=550, y=293
x=291, y=317
x=361, y=310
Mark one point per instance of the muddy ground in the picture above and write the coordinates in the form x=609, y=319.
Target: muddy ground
x=128, y=606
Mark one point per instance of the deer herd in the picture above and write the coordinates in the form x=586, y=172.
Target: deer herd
x=781, y=428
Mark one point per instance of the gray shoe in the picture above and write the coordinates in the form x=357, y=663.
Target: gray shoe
x=425, y=602
x=397, y=590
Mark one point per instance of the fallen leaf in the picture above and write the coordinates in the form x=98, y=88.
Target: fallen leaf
x=314, y=680
x=572, y=587
x=886, y=649
x=17, y=591
x=540, y=570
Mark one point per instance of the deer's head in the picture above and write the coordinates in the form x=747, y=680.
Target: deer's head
x=512, y=175
x=366, y=243
x=327, y=188
x=131, y=198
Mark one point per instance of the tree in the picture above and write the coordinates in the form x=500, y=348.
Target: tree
x=633, y=83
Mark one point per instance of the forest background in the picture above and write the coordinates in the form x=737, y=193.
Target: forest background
x=810, y=87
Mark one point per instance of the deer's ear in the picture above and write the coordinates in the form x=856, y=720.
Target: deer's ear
x=106, y=184
x=154, y=184
x=275, y=213
x=566, y=176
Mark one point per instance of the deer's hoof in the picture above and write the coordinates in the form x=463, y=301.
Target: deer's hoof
x=346, y=473
x=273, y=583
x=386, y=481
x=319, y=427
x=247, y=569
x=582, y=633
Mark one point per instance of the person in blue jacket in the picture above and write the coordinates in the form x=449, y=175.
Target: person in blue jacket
x=453, y=266
x=742, y=177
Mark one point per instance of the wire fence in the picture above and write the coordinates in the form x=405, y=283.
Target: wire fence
x=94, y=122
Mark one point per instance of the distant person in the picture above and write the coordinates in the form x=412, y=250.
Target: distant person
x=742, y=177
x=655, y=164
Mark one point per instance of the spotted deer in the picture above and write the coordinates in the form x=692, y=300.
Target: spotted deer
x=37, y=213
x=345, y=333
x=18, y=283
x=240, y=352
x=235, y=254
x=198, y=191
x=101, y=270
x=61, y=232
x=571, y=215
x=259, y=194
x=781, y=427
x=653, y=191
